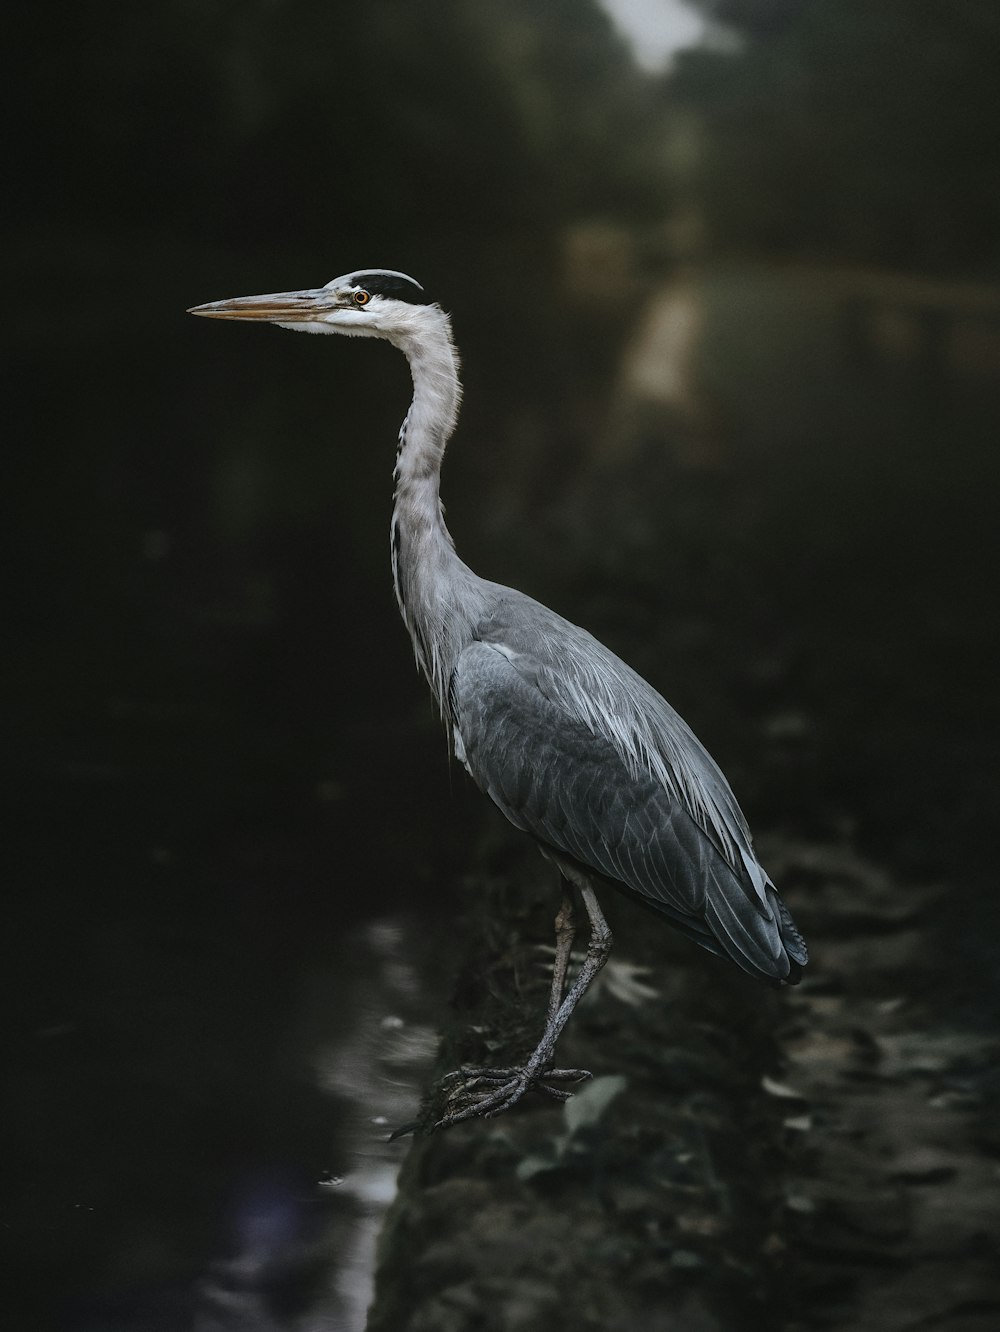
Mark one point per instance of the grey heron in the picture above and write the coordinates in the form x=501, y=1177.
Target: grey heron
x=574, y=747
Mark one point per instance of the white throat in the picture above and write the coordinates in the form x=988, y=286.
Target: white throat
x=439, y=597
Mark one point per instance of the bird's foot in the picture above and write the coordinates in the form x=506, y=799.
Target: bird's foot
x=481, y=1093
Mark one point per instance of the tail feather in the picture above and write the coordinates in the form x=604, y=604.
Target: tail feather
x=795, y=945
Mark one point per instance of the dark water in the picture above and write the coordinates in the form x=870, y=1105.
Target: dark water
x=208, y=1054
x=227, y=866
x=207, y=1058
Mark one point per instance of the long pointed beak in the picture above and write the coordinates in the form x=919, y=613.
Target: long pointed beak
x=285, y=307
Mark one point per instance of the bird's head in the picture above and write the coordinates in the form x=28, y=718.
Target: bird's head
x=370, y=303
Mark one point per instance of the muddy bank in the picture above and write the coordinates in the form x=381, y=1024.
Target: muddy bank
x=657, y=1189
x=815, y=1158
x=894, y=1209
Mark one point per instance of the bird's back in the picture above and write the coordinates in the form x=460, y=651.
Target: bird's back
x=579, y=750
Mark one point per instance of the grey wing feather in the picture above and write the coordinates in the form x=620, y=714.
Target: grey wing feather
x=581, y=752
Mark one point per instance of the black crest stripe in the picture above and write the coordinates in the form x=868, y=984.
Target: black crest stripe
x=396, y=285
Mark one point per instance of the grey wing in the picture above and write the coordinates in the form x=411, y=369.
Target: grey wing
x=560, y=779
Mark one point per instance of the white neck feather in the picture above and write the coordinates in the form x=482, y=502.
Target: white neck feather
x=439, y=597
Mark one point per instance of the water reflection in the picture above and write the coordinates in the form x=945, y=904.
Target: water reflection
x=303, y=1251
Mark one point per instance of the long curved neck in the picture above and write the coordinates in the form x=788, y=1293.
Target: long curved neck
x=439, y=597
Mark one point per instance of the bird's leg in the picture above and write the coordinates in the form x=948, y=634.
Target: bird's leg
x=598, y=951
x=565, y=929
x=483, y=1093
x=565, y=934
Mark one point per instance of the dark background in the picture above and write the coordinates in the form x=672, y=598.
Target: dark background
x=220, y=761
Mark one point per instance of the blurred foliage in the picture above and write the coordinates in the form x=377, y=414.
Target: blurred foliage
x=395, y=115
x=166, y=154
x=866, y=131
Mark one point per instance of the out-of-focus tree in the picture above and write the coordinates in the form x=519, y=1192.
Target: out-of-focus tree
x=869, y=131
x=388, y=115
x=164, y=154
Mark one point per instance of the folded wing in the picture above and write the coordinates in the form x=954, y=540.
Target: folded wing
x=562, y=742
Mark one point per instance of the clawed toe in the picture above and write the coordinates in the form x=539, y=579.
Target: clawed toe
x=481, y=1093
x=469, y=1073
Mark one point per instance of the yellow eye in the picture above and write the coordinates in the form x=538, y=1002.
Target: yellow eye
x=361, y=298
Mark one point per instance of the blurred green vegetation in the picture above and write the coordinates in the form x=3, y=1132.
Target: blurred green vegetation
x=172, y=510
x=849, y=129
x=245, y=122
